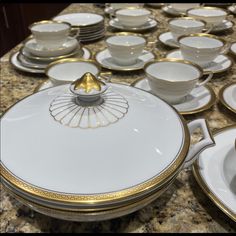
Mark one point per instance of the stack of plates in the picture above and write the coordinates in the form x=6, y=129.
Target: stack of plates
x=92, y=26
x=33, y=58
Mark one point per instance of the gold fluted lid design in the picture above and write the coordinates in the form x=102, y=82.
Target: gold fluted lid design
x=88, y=82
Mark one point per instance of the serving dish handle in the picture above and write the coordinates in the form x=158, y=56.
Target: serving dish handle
x=205, y=142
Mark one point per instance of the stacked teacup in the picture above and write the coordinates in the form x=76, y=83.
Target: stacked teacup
x=50, y=41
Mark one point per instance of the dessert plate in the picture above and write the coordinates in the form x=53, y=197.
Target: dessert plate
x=219, y=183
x=220, y=64
x=18, y=65
x=81, y=19
x=233, y=48
x=168, y=40
x=227, y=96
x=151, y=23
x=32, y=46
x=200, y=99
x=105, y=60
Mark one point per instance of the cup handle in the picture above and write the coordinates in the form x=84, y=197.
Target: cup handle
x=208, y=30
x=226, y=48
x=197, y=148
x=210, y=75
x=105, y=76
x=75, y=31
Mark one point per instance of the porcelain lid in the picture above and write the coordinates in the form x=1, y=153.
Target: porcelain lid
x=57, y=149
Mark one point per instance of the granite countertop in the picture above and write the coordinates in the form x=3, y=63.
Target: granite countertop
x=182, y=208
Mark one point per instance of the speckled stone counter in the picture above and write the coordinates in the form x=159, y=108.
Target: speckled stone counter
x=182, y=208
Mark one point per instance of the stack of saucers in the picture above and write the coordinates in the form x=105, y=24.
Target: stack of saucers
x=34, y=58
x=91, y=26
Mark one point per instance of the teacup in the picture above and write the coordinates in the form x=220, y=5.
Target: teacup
x=201, y=48
x=125, y=49
x=212, y=15
x=182, y=7
x=132, y=17
x=52, y=34
x=116, y=6
x=173, y=79
x=186, y=25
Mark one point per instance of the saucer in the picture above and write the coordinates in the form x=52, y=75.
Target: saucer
x=151, y=23
x=168, y=40
x=220, y=64
x=200, y=99
x=105, y=60
x=40, y=51
x=233, y=48
x=214, y=171
x=171, y=11
x=18, y=65
x=227, y=96
x=225, y=25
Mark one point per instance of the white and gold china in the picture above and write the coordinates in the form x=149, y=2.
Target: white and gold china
x=178, y=9
x=70, y=69
x=132, y=17
x=155, y=5
x=220, y=64
x=233, y=48
x=232, y=9
x=44, y=85
x=219, y=183
x=52, y=114
x=225, y=25
x=212, y=15
x=167, y=39
x=186, y=25
x=35, y=64
x=105, y=60
x=31, y=64
x=202, y=48
x=37, y=50
x=91, y=26
x=174, y=85
x=150, y=24
x=125, y=49
x=227, y=96
x=52, y=34
x=111, y=7
x=18, y=65
x=198, y=100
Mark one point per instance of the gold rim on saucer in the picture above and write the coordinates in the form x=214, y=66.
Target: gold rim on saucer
x=221, y=97
x=204, y=186
x=198, y=110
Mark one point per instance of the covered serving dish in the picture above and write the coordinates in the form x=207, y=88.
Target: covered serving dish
x=94, y=150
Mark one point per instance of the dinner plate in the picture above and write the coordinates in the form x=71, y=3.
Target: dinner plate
x=18, y=65
x=200, y=99
x=81, y=19
x=233, y=48
x=227, y=96
x=92, y=163
x=167, y=39
x=219, y=183
x=105, y=60
x=220, y=64
x=151, y=23
x=37, y=50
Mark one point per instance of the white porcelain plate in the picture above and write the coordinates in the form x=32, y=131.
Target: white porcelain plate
x=151, y=23
x=220, y=64
x=67, y=47
x=67, y=164
x=216, y=173
x=227, y=96
x=168, y=40
x=233, y=48
x=105, y=60
x=200, y=99
x=81, y=19
x=18, y=65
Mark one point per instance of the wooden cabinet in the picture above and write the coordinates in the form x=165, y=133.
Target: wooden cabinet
x=15, y=19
